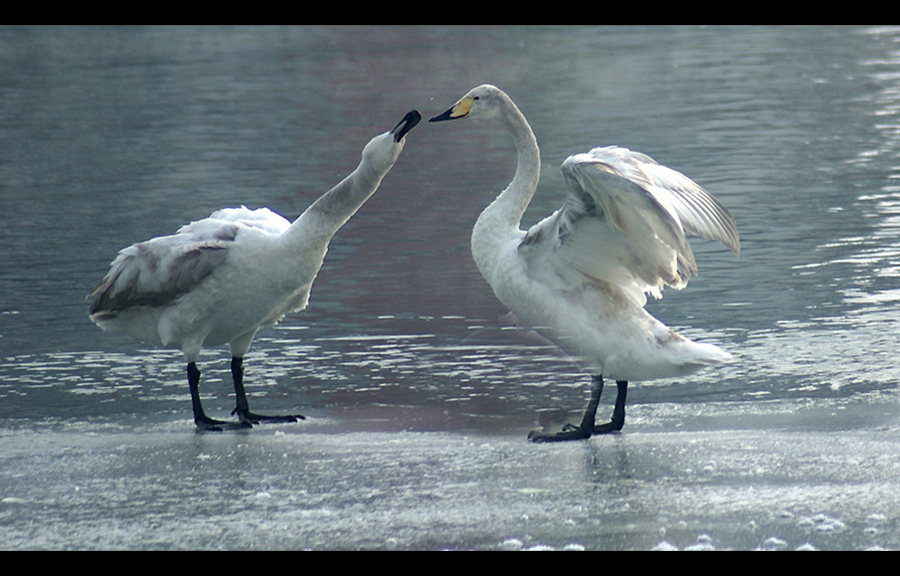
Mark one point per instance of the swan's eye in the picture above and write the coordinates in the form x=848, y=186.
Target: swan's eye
x=476, y=98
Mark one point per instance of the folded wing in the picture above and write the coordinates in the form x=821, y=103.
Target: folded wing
x=158, y=271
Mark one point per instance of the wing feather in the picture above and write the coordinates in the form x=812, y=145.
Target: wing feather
x=699, y=212
x=158, y=271
x=155, y=272
x=625, y=222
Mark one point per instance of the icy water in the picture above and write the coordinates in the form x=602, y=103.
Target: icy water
x=418, y=393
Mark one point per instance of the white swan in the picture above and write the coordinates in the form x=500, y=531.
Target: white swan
x=581, y=274
x=219, y=280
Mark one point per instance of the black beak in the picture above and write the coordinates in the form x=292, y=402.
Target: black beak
x=445, y=116
x=408, y=123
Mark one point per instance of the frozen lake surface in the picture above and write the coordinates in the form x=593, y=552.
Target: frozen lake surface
x=417, y=391
x=728, y=480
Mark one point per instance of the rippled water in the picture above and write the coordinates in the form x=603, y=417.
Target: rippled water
x=404, y=362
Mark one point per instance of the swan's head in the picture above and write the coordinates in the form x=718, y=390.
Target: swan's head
x=483, y=101
x=384, y=150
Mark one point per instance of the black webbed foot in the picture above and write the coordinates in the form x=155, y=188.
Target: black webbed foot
x=243, y=408
x=251, y=418
x=206, y=424
x=587, y=428
x=609, y=427
x=568, y=433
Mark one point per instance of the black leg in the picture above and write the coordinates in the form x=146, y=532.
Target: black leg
x=585, y=429
x=618, y=416
x=243, y=408
x=202, y=421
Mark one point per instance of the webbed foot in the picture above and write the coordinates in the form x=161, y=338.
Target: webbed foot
x=251, y=418
x=206, y=424
x=568, y=433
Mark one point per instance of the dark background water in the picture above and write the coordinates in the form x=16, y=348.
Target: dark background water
x=403, y=361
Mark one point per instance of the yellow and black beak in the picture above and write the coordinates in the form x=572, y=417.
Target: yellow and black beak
x=459, y=110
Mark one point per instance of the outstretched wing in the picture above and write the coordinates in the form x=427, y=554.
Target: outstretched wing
x=625, y=222
x=698, y=211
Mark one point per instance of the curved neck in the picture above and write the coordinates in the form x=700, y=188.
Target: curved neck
x=316, y=226
x=512, y=202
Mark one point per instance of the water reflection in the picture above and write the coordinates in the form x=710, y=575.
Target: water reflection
x=875, y=256
x=115, y=135
x=419, y=393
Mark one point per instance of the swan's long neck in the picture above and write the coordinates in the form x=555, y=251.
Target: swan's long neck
x=510, y=205
x=336, y=206
x=497, y=230
x=325, y=216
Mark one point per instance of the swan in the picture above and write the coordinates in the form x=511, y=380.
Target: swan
x=581, y=275
x=221, y=279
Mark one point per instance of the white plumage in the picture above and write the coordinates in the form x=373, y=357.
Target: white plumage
x=221, y=279
x=581, y=275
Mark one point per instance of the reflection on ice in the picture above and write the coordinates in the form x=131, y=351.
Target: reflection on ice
x=156, y=486
x=437, y=374
x=415, y=441
x=418, y=397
